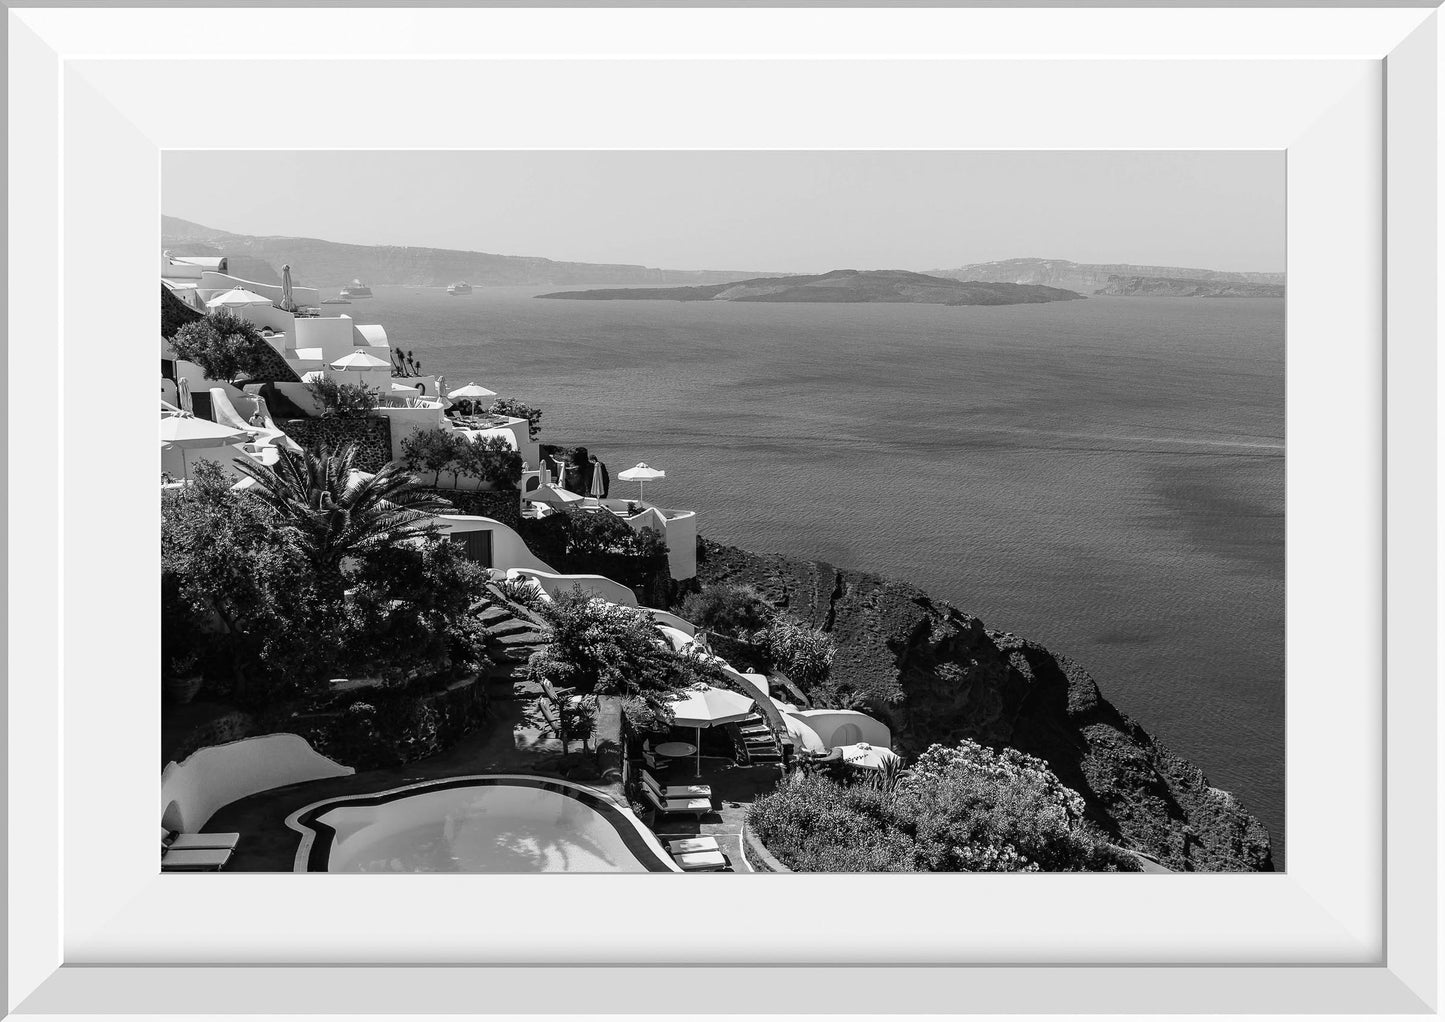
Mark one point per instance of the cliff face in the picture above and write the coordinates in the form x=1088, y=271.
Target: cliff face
x=1089, y=277
x=936, y=674
x=1187, y=287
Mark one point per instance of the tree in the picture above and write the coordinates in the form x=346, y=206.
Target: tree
x=429, y=450
x=604, y=648
x=235, y=590
x=333, y=511
x=409, y=610
x=729, y=609
x=492, y=460
x=226, y=347
x=517, y=409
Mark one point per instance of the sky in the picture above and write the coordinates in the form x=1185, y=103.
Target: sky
x=787, y=211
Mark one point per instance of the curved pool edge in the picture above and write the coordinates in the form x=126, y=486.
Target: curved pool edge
x=313, y=853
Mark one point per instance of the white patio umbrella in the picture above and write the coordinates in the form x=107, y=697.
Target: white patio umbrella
x=705, y=706
x=237, y=298
x=867, y=757
x=360, y=361
x=189, y=433
x=642, y=472
x=183, y=395
x=286, y=302
x=471, y=392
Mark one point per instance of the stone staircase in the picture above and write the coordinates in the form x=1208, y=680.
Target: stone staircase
x=755, y=742
x=513, y=634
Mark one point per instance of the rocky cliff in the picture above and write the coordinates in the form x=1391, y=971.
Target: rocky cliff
x=1187, y=287
x=1089, y=277
x=937, y=674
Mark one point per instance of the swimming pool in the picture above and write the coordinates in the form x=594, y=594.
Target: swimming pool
x=499, y=823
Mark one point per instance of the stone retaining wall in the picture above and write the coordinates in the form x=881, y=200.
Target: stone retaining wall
x=371, y=434
x=504, y=506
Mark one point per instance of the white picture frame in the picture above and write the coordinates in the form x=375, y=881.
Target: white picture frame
x=1351, y=95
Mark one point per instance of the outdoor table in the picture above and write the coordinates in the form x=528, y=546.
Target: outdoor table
x=673, y=750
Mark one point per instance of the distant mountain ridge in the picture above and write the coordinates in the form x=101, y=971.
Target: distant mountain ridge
x=894, y=286
x=318, y=263
x=1088, y=277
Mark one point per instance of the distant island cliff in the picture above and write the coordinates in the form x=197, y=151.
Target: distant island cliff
x=1091, y=277
x=1186, y=287
x=899, y=286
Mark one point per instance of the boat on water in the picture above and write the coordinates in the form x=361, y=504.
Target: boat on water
x=356, y=289
x=461, y=287
x=335, y=301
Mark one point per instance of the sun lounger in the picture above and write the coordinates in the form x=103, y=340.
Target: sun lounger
x=677, y=790
x=678, y=806
x=701, y=862
x=194, y=860
x=686, y=845
x=182, y=842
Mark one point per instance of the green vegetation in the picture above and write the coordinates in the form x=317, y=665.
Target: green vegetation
x=225, y=347
x=964, y=808
x=330, y=511
x=601, y=648
x=311, y=574
x=517, y=409
x=587, y=543
x=489, y=460
x=735, y=610
x=343, y=400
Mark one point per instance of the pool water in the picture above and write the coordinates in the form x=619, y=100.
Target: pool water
x=492, y=824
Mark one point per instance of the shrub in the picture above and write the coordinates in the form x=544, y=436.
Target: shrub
x=598, y=647
x=959, y=809
x=522, y=591
x=517, y=409
x=226, y=347
x=591, y=543
x=735, y=610
x=343, y=400
x=804, y=654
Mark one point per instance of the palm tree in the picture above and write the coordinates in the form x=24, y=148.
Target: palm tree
x=335, y=511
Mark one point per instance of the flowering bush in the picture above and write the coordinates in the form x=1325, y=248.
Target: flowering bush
x=964, y=808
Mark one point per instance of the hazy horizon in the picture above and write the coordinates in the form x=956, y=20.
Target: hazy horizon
x=765, y=211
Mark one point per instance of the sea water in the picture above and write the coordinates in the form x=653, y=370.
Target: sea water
x=1104, y=476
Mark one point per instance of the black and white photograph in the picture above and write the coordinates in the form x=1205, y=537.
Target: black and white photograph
x=746, y=511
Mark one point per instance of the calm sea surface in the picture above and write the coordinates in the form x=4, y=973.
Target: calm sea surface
x=1105, y=476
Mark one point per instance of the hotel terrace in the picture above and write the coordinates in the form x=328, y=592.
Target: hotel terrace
x=502, y=794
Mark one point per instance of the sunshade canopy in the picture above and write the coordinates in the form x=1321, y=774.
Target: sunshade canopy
x=706, y=706
x=360, y=360
x=237, y=298
x=471, y=392
x=641, y=472
x=188, y=432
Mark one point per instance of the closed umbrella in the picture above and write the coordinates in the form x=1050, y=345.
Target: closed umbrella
x=189, y=433
x=704, y=706
x=286, y=302
x=183, y=395
x=360, y=361
x=237, y=298
x=642, y=472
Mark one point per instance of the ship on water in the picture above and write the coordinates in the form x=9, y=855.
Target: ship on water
x=356, y=289
x=461, y=287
